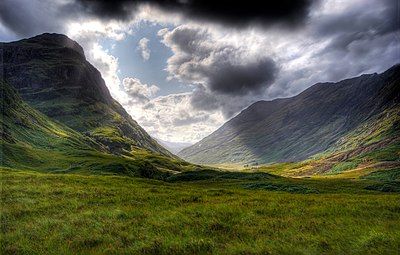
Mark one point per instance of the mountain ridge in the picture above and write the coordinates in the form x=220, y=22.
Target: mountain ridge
x=292, y=129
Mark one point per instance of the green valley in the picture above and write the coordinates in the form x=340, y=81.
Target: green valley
x=318, y=173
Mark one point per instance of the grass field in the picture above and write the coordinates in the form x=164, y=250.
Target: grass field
x=206, y=213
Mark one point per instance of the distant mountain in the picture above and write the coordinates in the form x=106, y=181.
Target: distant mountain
x=293, y=129
x=173, y=147
x=51, y=74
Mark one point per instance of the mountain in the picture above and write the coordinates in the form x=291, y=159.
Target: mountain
x=293, y=129
x=173, y=147
x=372, y=148
x=50, y=73
x=22, y=125
x=30, y=140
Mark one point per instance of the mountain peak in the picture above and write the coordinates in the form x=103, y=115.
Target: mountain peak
x=56, y=40
x=50, y=73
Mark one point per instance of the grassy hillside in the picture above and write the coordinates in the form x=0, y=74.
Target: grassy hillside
x=294, y=129
x=51, y=73
x=234, y=214
x=373, y=145
x=31, y=140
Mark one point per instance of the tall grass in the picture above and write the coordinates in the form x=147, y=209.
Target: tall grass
x=76, y=214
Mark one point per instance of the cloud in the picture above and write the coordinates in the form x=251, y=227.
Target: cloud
x=238, y=78
x=29, y=18
x=105, y=9
x=227, y=105
x=144, y=48
x=137, y=91
x=223, y=68
x=173, y=118
x=236, y=13
x=342, y=40
x=225, y=74
x=26, y=18
x=108, y=64
x=184, y=118
x=352, y=24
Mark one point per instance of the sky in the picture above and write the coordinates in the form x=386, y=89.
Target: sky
x=182, y=68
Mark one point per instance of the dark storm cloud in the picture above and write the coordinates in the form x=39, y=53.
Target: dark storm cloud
x=361, y=38
x=227, y=77
x=231, y=78
x=205, y=100
x=106, y=9
x=237, y=13
x=220, y=67
x=27, y=18
x=356, y=24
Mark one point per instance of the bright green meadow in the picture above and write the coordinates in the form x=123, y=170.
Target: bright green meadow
x=204, y=212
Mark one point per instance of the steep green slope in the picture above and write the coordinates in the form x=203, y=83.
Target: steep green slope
x=293, y=129
x=372, y=147
x=26, y=132
x=31, y=140
x=51, y=73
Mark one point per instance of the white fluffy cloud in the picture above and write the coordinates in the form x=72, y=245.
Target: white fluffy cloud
x=143, y=46
x=172, y=118
x=108, y=66
x=137, y=91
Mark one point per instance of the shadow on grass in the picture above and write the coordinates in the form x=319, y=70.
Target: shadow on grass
x=291, y=188
x=393, y=186
x=212, y=175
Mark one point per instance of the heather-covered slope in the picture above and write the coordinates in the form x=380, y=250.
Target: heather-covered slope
x=293, y=129
x=50, y=73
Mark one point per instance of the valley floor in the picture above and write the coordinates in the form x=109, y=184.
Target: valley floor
x=93, y=214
